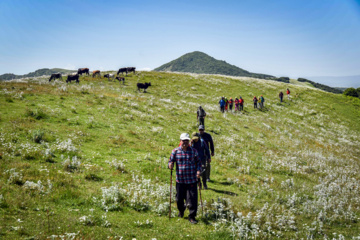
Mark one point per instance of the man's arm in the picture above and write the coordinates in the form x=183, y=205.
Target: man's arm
x=197, y=163
x=207, y=152
x=172, y=159
x=211, y=143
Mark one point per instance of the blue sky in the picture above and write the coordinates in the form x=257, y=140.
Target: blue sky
x=295, y=38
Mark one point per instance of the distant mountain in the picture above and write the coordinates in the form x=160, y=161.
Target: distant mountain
x=199, y=62
x=37, y=73
x=341, y=82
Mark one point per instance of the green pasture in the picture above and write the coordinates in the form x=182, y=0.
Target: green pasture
x=288, y=156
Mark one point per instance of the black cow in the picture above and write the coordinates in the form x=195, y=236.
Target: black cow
x=122, y=71
x=72, y=78
x=83, y=70
x=120, y=79
x=143, y=85
x=55, y=76
x=108, y=76
x=130, y=69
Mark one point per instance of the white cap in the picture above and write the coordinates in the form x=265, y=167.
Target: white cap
x=184, y=136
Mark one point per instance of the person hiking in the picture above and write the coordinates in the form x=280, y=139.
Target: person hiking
x=203, y=153
x=255, y=100
x=201, y=114
x=226, y=104
x=288, y=93
x=236, y=104
x=210, y=144
x=281, y=95
x=260, y=103
x=241, y=103
x=231, y=104
x=222, y=104
x=188, y=169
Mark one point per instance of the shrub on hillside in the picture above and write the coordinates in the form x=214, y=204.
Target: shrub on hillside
x=283, y=79
x=351, y=92
x=38, y=136
x=36, y=114
x=14, y=177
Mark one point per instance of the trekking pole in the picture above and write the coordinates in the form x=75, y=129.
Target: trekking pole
x=202, y=207
x=170, y=193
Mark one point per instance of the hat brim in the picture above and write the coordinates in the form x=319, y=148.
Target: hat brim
x=185, y=139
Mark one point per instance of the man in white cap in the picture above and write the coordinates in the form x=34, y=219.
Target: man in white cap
x=188, y=169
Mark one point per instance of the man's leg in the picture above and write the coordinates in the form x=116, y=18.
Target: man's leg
x=192, y=199
x=208, y=168
x=180, y=198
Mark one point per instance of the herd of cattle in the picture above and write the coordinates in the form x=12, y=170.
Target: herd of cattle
x=75, y=76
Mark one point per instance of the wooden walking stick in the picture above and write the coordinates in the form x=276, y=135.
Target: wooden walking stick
x=202, y=206
x=170, y=193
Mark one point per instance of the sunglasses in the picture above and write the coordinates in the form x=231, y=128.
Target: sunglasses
x=185, y=140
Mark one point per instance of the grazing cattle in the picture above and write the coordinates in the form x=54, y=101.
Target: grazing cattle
x=130, y=69
x=122, y=71
x=83, y=70
x=96, y=72
x=72, y=78
x=55, y=76
x=108, y=76
x=143, y=85
x=120, y=79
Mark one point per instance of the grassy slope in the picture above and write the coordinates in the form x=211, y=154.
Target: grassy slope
x=314, y=136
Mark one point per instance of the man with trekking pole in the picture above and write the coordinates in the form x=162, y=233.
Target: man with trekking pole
x=188, y=169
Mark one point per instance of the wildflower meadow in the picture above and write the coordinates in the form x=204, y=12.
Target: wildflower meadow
x=89, y=160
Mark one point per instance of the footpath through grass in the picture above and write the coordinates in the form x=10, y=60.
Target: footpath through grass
x=90, y=160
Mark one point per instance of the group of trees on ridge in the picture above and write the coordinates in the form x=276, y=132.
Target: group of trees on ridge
x=352, y=92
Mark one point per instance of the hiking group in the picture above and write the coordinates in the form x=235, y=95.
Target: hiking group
x=226, y=104
x=193, y=159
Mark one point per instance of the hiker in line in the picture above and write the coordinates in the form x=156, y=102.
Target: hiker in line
x=201, y=114
x=255, y=100
x=288, y=93
x=236, y=104
x=281, y=95
x=210, y=144
x=241, y=103
x=226, y=104
x=231, y=104
x=203, y=153
x=222, y=104
x=188, y=169
x=262, y=101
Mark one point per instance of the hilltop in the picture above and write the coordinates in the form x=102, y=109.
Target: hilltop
x=89, y=160
x=199, y=62
x=37, y=73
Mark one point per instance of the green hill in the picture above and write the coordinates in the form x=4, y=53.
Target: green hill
x=37, y=73
x=199, y=62
x=89, y=160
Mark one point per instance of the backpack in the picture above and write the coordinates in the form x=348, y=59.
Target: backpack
x=204, y=146
x=202, y=112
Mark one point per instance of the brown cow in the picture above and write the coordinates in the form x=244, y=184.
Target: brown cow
x=83, y=70
x=96, y=72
